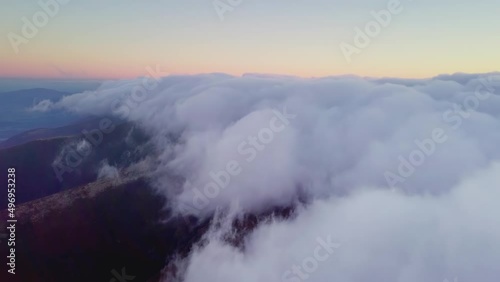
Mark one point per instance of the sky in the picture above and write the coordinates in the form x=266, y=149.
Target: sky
x=121, y=39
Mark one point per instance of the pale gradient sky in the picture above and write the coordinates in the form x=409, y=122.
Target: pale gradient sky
x=120, y=38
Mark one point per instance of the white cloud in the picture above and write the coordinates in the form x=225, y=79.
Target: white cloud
x=347, y=133
x=43, y=106
x=384, y=236
x=108, y=171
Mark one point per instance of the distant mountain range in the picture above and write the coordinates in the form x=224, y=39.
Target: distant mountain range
x=16, y=117
x=64, y=84
x=83, y=227
x=43, y=158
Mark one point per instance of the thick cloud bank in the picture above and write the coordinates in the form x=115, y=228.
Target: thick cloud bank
x=400, y=172
x=375, y=236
